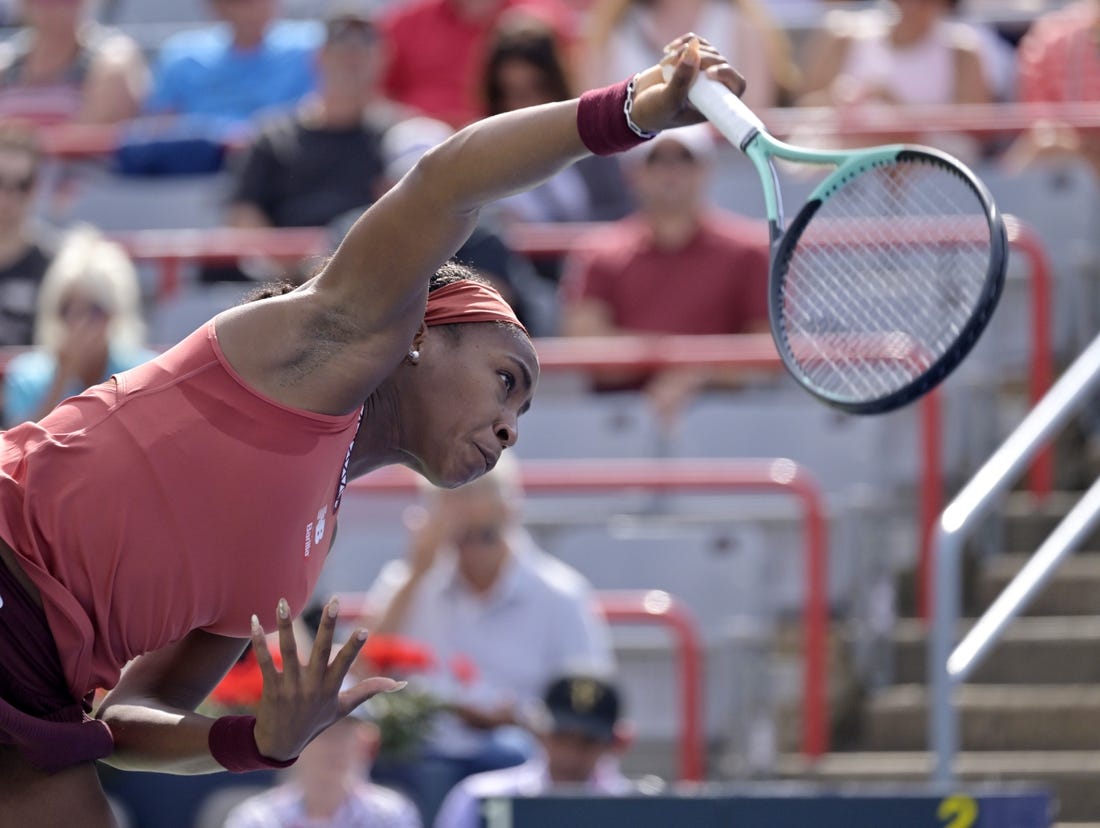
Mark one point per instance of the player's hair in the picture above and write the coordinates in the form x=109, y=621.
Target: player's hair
x=448, y=272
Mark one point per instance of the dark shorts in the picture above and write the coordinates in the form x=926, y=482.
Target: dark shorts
x=38, y=715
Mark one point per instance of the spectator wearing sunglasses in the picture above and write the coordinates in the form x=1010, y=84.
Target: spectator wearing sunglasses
x=321, y=165
x=476, y=586
x=88, y=327
x=25, y=248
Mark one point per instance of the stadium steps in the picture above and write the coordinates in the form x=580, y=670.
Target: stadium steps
x=1069, y=775
x=1031, y=710
x=1030, y=718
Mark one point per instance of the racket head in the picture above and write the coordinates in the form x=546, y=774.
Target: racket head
x=886, y=278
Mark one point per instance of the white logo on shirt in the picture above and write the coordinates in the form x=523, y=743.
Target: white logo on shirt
x=315, y=530
x=319, y=532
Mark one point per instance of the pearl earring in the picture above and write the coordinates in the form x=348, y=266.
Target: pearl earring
x=414, y=354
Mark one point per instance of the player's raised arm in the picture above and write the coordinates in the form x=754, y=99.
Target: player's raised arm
x=355, y=322
x=386, y=257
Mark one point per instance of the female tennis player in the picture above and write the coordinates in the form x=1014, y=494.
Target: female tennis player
x=161, y=520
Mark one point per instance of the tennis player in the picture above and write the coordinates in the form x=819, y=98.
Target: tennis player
x=161, y=520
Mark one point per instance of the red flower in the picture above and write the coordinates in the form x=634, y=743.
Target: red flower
x=244, y=683
x=395, y=654
x=464, y=670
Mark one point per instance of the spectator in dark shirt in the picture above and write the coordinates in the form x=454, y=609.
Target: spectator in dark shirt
x=323, y=162
x=25, y=253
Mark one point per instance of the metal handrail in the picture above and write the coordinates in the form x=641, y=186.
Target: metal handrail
x=948, y=667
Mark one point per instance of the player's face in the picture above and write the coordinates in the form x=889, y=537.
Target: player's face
x=470, y=394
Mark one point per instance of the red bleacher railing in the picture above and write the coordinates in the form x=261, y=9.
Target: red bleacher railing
x=661, y=475
x=170, y=250
x=89, y=141
x=654, y=607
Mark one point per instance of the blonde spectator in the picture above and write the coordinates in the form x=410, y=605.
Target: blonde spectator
x=89, y=327
x=62, y=67
x=623, y=34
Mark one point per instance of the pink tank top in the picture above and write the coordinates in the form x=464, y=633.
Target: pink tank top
x=172, y=497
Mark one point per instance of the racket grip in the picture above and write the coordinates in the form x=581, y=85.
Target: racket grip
x=728, y=113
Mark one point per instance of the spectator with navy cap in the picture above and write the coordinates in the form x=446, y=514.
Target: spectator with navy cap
x=580, y=726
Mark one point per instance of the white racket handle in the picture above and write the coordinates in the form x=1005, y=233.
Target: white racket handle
x=723, y=109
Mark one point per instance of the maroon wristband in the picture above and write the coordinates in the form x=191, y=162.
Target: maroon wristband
x=232, y=742
x=602, y=120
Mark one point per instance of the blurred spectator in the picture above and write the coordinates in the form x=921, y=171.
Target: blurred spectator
x=680, y=265
x=62, y=67
x=626, y=34
x=329, y=786
x=88, y=327
x=323, y=163
x=436, y=50
x=910, y=52
x=531, y=296
x=579, y=726
x=1059, y=63
x=475, y=586
x=25, y=252
x=525, y=67
x=227, y=74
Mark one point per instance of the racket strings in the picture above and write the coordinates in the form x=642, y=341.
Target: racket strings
x=884, y=278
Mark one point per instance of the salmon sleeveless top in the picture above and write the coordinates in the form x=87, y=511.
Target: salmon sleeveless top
x=173, y=497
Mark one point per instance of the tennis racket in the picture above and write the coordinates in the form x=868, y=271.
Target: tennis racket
x=889, y=273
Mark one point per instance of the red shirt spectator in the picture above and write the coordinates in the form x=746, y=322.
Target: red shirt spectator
x=1058, y=62
x=1058, y=58
x=679, y=265
x=716, y=283
x=436, y=49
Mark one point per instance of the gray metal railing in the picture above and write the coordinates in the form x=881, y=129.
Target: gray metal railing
x=947, y=667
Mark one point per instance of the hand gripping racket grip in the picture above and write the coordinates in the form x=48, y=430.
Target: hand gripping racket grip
x=723, y=109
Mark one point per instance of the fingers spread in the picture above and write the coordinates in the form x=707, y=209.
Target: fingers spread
x=322, y=643
x=287, y=644
x=346, y=657
x=365, y=689
x=263, y=655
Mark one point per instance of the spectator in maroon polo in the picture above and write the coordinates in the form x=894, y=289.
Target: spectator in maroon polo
x=678, y=265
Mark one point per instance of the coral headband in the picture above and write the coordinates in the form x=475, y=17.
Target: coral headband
x=468, y=301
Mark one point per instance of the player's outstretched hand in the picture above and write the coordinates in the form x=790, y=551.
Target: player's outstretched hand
x=305, y=698
x=660, y=104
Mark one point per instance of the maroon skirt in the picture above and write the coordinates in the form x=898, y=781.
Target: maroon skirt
x=38, y=714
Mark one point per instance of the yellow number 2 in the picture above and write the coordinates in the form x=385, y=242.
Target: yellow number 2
x=961, y=810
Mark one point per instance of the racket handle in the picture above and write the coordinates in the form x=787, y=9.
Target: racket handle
x=728, y=113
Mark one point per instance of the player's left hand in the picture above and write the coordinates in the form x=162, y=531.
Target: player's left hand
x=305, y=698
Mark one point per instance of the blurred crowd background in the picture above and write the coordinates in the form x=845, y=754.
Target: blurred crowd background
x=158, y=160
